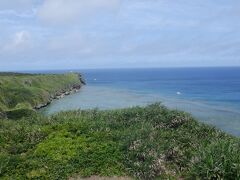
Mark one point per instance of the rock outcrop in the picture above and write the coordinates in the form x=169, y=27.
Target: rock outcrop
x=62, y=93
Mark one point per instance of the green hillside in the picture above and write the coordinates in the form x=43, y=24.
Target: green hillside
x=143, y=142
x=28, y=91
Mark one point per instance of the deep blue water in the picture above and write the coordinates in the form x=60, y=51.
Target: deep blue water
x=213, y=85
x=211, y=94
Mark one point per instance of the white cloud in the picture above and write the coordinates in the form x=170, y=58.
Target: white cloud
x=21, y=37
x=65, y=11
x=19, y=42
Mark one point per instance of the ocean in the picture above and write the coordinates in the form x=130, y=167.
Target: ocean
x=212, y=95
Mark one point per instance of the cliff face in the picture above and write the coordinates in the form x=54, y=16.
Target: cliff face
x=34, y=91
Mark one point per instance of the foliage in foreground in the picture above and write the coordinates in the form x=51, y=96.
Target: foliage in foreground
x=142, y=142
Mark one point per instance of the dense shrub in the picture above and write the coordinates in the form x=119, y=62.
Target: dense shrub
x=19, y=113
x=220, y=160
x=142, y=142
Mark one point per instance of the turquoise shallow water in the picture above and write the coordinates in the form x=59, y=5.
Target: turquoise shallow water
x=211, y=94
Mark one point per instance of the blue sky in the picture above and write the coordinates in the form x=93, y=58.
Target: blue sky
x=60, y=34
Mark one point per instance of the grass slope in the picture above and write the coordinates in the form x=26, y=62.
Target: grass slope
x=141, y=142
x=25, y=91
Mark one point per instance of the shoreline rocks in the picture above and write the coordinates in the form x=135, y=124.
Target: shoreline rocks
x=59, y=95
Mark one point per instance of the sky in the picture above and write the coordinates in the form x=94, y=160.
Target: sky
x=79, y=34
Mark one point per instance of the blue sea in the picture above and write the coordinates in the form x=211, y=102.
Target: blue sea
x=212, y=95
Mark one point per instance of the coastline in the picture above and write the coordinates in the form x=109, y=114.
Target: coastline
x=21, y=94
x=94, y=96
x=59, y=95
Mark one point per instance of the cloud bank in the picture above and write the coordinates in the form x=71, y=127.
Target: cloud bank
x=58, y=34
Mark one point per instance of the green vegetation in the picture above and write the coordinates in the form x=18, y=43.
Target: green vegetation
x=20, y=93
x=150, y=142
x=141, y=142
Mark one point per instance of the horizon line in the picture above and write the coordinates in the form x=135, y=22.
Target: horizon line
x=108, y=68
